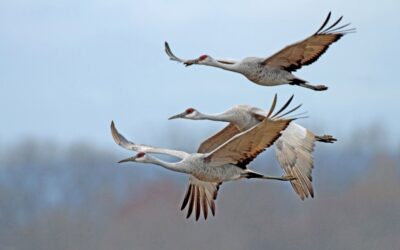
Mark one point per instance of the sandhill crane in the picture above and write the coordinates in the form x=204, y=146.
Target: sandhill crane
x=293, y=149
x=277, y=69
x=209, y=170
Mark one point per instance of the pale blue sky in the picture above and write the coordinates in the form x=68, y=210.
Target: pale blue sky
x=67, y=68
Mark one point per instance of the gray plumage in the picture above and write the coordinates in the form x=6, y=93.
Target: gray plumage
x=294, y=148
x=207, y=171
x=277, y=69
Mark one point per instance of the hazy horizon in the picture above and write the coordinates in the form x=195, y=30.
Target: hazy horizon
x=78, y=197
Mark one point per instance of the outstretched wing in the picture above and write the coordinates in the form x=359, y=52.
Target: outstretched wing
x=231, y=130
x=219, y=138
x=260, y=115
x=123, y=142
x=294, y=152
x=244, y=147
x=200, y=196
x=171, y=55
x=305, y=52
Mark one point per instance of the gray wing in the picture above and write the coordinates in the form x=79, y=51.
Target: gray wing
x=307, y=51
x=171, y=55
x=294, y=152
x=123, y=142
x=242, y=148
x=218, y=139
x=200, y=195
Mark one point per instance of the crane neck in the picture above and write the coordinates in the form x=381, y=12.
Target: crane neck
x=171, y=152
x=176, y=167
x=230, y=67
x=222, y=117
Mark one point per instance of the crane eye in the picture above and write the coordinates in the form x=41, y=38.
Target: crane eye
x=140, y=154
x=189, y=110
x=202, y=57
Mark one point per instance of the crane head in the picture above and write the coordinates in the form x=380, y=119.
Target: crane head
x=200, y=60
x=139, y=157
x=202, y=57
x=189, y=113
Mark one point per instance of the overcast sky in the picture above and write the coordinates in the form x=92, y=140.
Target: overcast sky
x=67, y=68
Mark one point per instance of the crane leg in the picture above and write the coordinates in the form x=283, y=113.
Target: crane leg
x=325, y=138
x=282, y=178
x=251, y=175
x=302, y=83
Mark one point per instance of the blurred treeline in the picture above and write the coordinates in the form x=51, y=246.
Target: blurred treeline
x=76, y=197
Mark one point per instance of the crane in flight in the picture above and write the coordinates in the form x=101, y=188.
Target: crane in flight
x=277, y=69
x=209, y=170
x=293, y=149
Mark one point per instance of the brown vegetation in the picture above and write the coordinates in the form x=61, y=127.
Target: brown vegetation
x=79, y=198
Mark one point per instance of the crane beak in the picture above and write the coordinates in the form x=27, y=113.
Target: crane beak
x=181, y=115
x=133, y=158
x=191, y=62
